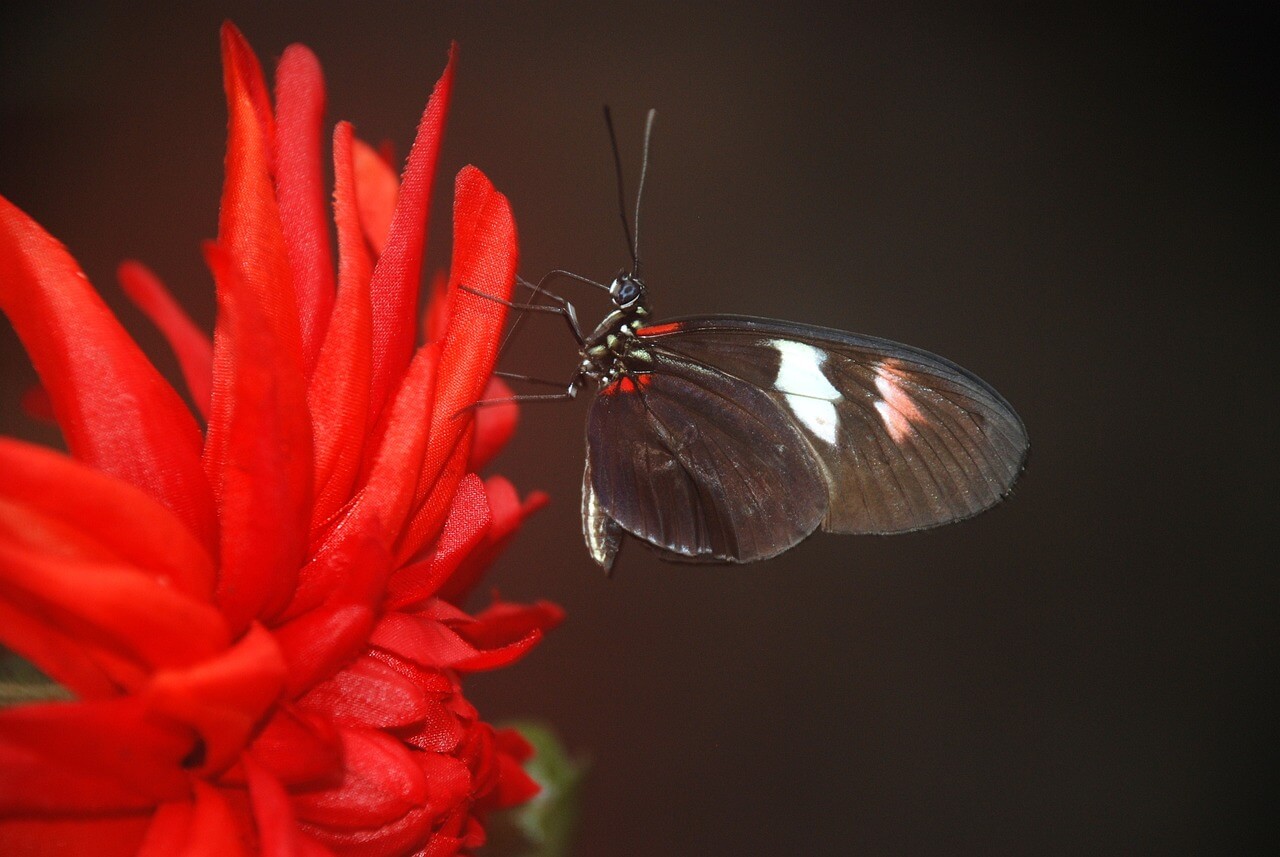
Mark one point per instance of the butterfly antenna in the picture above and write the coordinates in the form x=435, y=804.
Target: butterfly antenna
x=622, y=194
x=644, y=171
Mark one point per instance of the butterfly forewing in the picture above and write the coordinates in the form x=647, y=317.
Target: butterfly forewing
x=701, y=464
x=904, y=439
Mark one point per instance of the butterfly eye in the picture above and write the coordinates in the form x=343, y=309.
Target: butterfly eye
x=626, y=290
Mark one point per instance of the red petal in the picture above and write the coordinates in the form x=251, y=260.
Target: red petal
x=395, y=284
x=35, y=403
x=381, y=782
x=110, y=836
x=121, y=520
x=224, y=698
x=89, y=672
x=369, y=693
x=435, y=321
x=297, y=748
x=110, y=606
x=464, y=529
x=117, y=413
x=322, y=640
x=203, y=827
x=190, y=344
x=514, y=785
x=300, y=191
x=503, y=621
x=338, y=396
x=434, y=644
x=495, y=424
x=484, y=259
x=89, y=757
x=377, y=189
x=258, y=454
x=278, y=831
x=509, y=513
x=397, y=467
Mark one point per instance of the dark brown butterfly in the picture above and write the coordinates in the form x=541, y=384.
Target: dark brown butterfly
x=731, y=439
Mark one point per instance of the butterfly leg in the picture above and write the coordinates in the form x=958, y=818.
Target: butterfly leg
x=564, y=310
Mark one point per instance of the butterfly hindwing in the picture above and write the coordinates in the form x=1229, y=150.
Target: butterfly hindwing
x=701, y=464
x=905, y=439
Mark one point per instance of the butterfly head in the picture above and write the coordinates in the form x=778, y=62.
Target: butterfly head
x=627, y=291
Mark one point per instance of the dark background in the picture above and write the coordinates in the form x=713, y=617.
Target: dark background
x=1079, y=206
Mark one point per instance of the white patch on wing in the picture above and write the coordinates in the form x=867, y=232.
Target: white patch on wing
x=896, y=407
x=808, y=392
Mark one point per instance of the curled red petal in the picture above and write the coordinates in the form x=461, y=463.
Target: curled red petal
x=484, y=260
x=381, y=782
x=223, y=698
x=300, y=101
x=387, y=496
x=122, y=520
x=116, y=412
x=432, y=643
x=190, y=344
x=503, y=621
x=111, y=606
x=107, y=755
x=395, y=283
x=259, y=452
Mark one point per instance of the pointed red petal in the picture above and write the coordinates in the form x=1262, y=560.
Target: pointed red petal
x=395, y=284
x=377, y=189
x=249, y=227
x=387, y=496
x=259, y=452
x=338, y=396
x=190, y=344
x=117, y=413
x=432, y=643
x=300, y=191
x=88, y=672
x=484, y=259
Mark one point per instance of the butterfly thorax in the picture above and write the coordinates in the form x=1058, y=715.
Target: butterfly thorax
x=610, y=352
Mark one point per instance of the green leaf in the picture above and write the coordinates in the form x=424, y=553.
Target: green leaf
x=544, y=827
x=21, y=683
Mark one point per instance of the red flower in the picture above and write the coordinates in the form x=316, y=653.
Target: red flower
x=260, y=621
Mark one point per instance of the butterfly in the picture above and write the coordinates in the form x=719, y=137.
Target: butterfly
x=730, y=439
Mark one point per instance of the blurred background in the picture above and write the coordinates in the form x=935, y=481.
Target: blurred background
x=1079, y=206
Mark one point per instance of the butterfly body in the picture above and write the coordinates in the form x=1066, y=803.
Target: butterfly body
x=731, y=439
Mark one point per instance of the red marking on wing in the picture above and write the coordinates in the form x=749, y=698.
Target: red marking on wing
x=659, y=329
x=626, y=384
